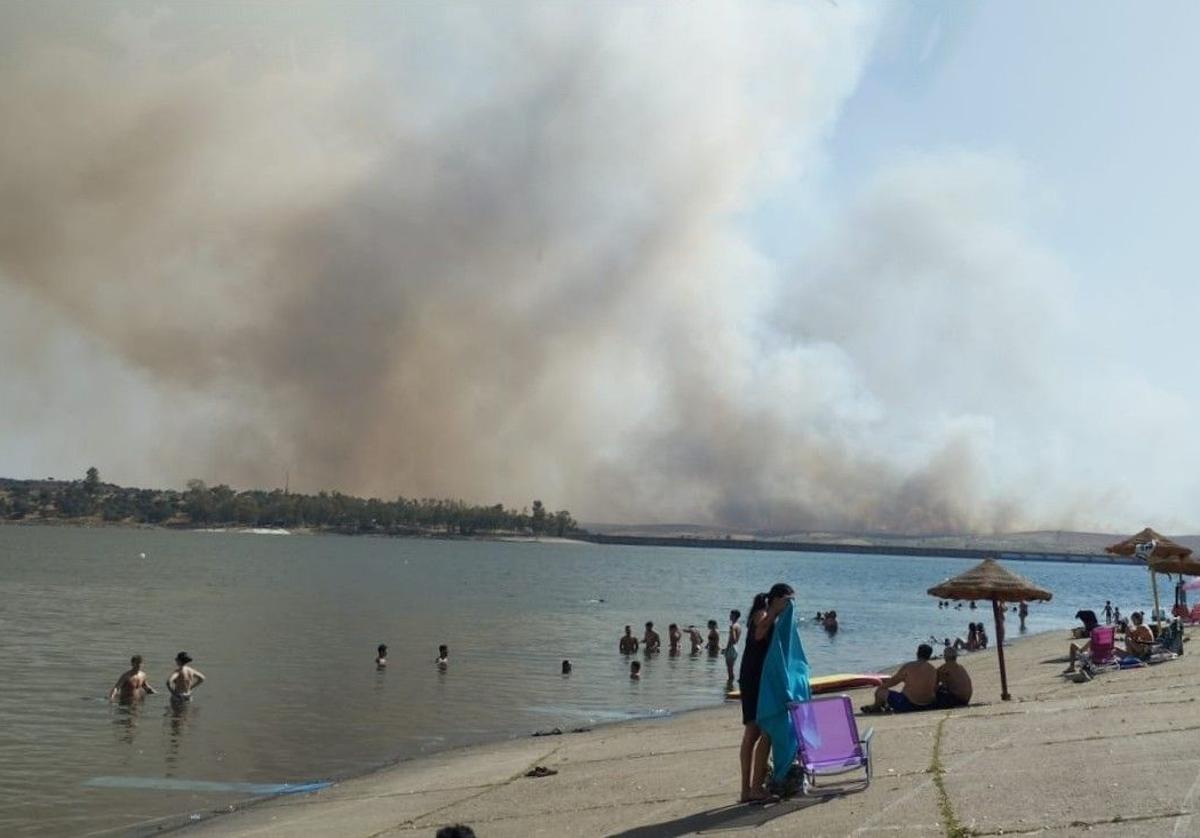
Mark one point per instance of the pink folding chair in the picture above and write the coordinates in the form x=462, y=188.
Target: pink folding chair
x=829, y=740
x=1103, y=643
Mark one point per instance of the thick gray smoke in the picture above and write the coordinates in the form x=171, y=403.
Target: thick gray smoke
x=499, y=254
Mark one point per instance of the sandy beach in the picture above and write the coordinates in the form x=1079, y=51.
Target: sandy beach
x=1119, y=755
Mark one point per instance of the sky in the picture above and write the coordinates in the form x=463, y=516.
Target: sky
x=785, y=267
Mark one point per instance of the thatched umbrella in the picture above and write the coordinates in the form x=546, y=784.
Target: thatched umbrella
x=1163, y=553
x=991, y=580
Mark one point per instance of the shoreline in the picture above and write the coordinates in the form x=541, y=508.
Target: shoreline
x=468, y=752
x=1024, y=766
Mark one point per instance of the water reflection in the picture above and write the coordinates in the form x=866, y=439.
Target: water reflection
x=179, y=715
x=125, y=719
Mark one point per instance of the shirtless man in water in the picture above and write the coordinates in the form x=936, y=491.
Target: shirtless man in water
x=920, y=686
x=132, y=685
x=184, y=679
x=629, y=643
x=651, y=642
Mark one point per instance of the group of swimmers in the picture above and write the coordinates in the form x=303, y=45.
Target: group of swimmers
x=651, y=643
x=134, y=684
x=442, y=662
x=828, y=621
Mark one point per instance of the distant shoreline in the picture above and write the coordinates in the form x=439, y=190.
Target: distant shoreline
x=730, y=543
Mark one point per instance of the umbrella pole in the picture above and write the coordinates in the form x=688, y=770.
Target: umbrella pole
x=1004, y=696
x=1157, y=610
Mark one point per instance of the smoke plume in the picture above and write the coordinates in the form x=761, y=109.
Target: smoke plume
x=501, y=253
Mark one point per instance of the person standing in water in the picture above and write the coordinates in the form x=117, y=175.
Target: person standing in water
x=184, y=679
x=629, y=643
x=756, y=746
x=651, y=642
x=674, y=638
x=132, y=685
x=696, y=639
x=443, y=659
x=731, y=641
x=714, y=639
x=381, y=656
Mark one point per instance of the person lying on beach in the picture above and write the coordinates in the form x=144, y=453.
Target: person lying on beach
x=184, y=679
x=381, y=656
x=714, y=639
x=651, y=641
x=920, y=686
x=629, y=643
x=954, y=686
x=674, y=638
x=695, y=638
x=443, y=658
x=132, y=685
x=731, y=641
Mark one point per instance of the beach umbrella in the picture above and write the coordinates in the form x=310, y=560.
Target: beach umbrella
x=991, y=580
x=1152, y=548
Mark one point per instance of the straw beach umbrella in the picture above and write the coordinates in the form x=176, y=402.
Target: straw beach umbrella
x=991, y=580
x=1159, y=552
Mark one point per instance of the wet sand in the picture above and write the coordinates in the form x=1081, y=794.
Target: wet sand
x=1119, y=755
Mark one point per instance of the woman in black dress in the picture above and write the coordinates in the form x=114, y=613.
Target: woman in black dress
x=756, y=746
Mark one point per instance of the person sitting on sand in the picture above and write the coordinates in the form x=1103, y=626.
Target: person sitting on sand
x=674, y=638
x=1139, y=639
x=713, y=647
x=651, y=641
x=920, y=686
x=971, y=644
x=443, y=658
x=635, y=670
x=953, y=682
x=731, y=641
x=381, y=656
x=629, y=643
x=133, y=684
x=184, y=679
x=981, y=633
x=1088, y=618
x=696, y=639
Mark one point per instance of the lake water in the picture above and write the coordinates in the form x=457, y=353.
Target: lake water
x=285, y=629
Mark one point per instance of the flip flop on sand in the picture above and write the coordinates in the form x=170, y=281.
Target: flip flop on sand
x=870, y=709
x=540, y=771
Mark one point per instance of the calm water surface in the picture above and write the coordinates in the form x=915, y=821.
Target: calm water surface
x=285, y=628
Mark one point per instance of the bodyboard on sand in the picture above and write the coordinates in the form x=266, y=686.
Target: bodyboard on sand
x=845, y=681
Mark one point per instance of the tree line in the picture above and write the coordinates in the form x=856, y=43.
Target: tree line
x=201, y=505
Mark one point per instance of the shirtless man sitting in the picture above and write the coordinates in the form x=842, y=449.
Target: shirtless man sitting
x=920, y=686
x=132, y=685
x=954, y=686
x=629, y=643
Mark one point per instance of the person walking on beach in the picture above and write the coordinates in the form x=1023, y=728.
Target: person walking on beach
x=651, y=641
x=714, y=639
x=629, y=643
x=184, y=679
x=756, y=746
x=133, y=685
x=920, y=686
x=731, y=641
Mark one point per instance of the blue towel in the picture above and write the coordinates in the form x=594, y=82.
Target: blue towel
x=784, y=680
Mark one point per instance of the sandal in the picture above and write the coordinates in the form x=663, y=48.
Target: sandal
x=540, y=771
x=870, y=710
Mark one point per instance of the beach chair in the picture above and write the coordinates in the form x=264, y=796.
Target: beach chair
x=829, y=740
x=1103, y=643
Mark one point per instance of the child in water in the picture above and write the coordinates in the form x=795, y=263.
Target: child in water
x=381, y=656
x=635, y=671
x=443, y=656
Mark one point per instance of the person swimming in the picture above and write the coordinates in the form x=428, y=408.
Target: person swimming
x=830, y=623
x=635, y=670
x=184, y=679
x=381, y=656
x=566, y=667
x=443, y=659
x=133, y=684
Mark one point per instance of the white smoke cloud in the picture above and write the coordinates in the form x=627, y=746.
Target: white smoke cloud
x=505, y=253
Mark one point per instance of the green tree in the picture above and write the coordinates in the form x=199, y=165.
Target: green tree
x=537, y=520
x=91, y=482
